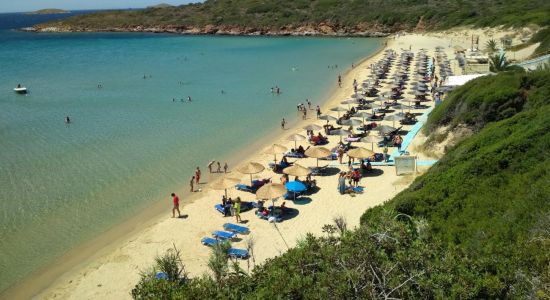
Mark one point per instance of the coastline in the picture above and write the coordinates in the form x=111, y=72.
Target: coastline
x=100, y=274
x=74, y=260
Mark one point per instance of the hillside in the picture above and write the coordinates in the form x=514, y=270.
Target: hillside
x=475, y=226
x=329, y=17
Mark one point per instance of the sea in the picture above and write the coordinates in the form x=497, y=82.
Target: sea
x=133, y=137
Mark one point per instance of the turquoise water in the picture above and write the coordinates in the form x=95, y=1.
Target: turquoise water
x=129, y=144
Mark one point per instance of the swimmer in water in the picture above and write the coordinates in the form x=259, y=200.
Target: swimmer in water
x=188, y=98
x=67, y=120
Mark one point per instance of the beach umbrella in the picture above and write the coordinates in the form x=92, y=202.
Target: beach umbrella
x=312, y=127
x=295, y=187
x=371, y=139
x=352, y=122
x=317, y=152
x=349, y=102
x=251, y=168
x=271, y=191
x=385, y=129
x=340, y=132
x=401, y=107
x=393, y=118
x=327, y=118
x=338, y=109
x=224, y=184
x=363, y=115
x=360, y=153
x=276, y=149
x=297, y=170
x=296, y=137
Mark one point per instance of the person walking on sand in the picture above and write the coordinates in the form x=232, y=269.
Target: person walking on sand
x=191, y=184
x=283, y=123
x=304, y=112
x=237, y=207
x=318, y=111
x=197, y=175
x=339, y=80
x=219, y=170
x=340, y=152
x=308, y=104
x=225, y=166
x=176, y=201
x=210, y=166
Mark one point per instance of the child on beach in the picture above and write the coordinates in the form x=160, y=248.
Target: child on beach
x=191, y=183
x=176, y=201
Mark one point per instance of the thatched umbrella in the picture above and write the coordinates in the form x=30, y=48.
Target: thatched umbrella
x=340, y=132
x=385, y=129
x=338, y=109
x=363, y=115
x=297, y=170
x=251, y=168
x=360, y=153
x=318, y=152
x=225, y=183
x=394, y=118
x=327, y=118
x=296, y=137
x=276, y=149
x=371, y=139
x=271, y=191
x=312, y=127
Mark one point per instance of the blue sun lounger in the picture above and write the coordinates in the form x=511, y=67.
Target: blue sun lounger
x=224, y=235
x=236, y=228
x=208, y=241
x=238, y=253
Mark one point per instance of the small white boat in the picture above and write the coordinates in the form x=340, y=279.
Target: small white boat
x=20, y=90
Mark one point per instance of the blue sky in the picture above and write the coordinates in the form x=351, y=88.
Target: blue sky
x=30, y=5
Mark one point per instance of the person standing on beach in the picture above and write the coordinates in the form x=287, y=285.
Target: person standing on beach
x=318, y=111
x=237, y=207
x=219, y=170
x=308, y=104
x=340, y=153
x=191, y=183
x=210, y=166
x=225, y=166
x=304, y=116
x=283, y=123
x=197, y=175
x=339, y=80
x=176, y=201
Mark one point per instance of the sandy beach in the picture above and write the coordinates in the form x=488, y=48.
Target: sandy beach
x=113, y=271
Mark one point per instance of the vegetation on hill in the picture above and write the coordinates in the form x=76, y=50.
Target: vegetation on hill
x=387, y=15
x=49, y=11
x=475, y=226
x=542, y=37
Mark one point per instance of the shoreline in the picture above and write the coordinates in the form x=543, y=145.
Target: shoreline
x=74, y=260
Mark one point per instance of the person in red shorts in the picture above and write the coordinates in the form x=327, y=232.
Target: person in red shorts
x=197, y=175
x=176, y=207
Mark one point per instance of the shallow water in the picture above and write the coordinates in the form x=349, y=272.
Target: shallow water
x=129, y=144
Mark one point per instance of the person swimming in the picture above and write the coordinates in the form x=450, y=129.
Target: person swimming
x=188, y=98
x=67, y=120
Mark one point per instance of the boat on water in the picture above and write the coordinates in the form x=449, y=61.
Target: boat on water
x=20, y=89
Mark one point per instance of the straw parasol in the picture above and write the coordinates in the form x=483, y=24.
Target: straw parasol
x=276, y=149
x=271, y=191
x=297, y=170
x=251, y=168
x=394, y=118
x=340, y=132
x=312, y=127
x=225, y=183
x=371, y=139
x=318, y=152
x=338, y=109
x=352, y=122
x=363, y=115
x=360, y=153
x=327, y=118
x=296, y=137
x=385, y=129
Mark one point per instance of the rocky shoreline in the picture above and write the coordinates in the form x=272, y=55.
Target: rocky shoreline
x=306, y=30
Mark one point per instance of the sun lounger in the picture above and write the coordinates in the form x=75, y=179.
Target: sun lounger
x=208, y=241
x=236, y=228
x=237, y=253
x=295, y=154
x=245, y=206
x=224, y=235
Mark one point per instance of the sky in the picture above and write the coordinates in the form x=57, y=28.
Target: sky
x=31, y=5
